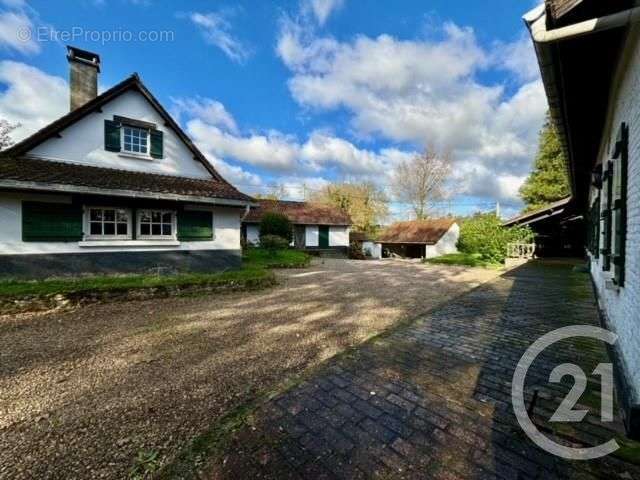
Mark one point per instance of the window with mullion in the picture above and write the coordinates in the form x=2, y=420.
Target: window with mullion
x=135, y=140
x=156, y=224
x=106, y=223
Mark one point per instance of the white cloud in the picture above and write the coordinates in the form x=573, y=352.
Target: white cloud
x=272, y=151
x=216, y=30
x=17, y=32
x=325, y=151
x=275, y=152
x=423, y=92
x=210, y=111
x=22, y=99
x=519, y=58
x=322, y=9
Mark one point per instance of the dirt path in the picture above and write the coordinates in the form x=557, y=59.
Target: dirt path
x=82, y=393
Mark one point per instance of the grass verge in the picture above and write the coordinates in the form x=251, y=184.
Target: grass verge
x=260, y=258
x=464, y=259
x=250, y=276
x=254, y=273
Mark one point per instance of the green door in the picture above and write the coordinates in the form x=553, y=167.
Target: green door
x=324, y=236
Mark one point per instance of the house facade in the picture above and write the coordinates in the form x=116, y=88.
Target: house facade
x=417, y=239
x=113, y=186
x=589, y=54
x=315, y=227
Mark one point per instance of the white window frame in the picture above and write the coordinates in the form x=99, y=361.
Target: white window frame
x=174, y=224
x=102, y=237
x=146, y=154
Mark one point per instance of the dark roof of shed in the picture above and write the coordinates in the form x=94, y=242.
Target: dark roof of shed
x=300, y=213
x=45, y=173
x=416, y=231
x=555, y=208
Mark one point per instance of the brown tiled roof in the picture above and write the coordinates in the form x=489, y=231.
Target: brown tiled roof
x=46, y=173
x=416, y=231
x=558, y=8
x=300, y=213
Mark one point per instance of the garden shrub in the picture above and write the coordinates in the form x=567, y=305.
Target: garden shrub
x=276, y=224
x=273, y=242
x=483, y=234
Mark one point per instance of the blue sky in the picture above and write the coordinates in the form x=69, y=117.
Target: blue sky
x=303, y=92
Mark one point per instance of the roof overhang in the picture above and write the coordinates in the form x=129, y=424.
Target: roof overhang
x=556, y=209
x=108, y=192
x=577, y=63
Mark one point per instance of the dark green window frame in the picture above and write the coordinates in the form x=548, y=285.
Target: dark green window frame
x=607, y=191
x=619, y=205
x=113, y=136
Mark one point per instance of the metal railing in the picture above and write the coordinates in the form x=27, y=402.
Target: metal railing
x=521, y=250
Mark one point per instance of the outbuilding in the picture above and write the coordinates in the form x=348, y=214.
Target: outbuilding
x=420, y=238
x=316, y=227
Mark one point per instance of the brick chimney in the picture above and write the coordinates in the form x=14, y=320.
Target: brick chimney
x=84, y=67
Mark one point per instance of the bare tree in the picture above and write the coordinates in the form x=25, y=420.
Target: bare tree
x=5, y=133
x=275, y=191
x=421, y=180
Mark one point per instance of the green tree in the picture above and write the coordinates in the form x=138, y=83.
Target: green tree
x=274, y=224
x=483, y=234
x=548, y=182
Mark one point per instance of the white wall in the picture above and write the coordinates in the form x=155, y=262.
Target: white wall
x=226, y=231
x=446, y=245
x=338, y=236
x=375, y=249
x=622, y=306
x=83, y=142
x=312, y=236
x=253, y=234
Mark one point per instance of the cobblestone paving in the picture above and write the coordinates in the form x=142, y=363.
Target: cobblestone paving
x=432, y=400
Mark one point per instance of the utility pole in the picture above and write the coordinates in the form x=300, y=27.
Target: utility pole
x=498, y=209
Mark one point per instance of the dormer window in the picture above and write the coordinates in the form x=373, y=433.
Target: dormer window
x=135, y=140
x=133, y=137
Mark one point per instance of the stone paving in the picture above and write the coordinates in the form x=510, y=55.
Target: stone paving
x=432, y=400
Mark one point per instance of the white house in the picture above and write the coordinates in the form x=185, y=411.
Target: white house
x=416, y=239
x=113, y=186
x=589, y=55
x=315, y=226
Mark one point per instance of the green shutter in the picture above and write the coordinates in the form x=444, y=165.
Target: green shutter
x=620, y=206
x=594, y=228
x=195, y=226
x=111, y=136
x=606, y=217
x=51, y=222
x=156, y=144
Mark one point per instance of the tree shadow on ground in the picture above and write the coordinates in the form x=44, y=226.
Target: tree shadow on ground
x=90, y=388
x=433, y=400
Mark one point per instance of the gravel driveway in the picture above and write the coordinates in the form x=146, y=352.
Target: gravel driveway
x=82, y=393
